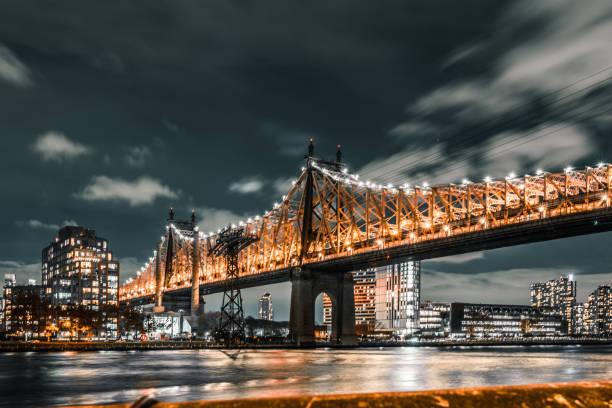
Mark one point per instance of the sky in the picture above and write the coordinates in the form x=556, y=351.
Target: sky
x=111, y=113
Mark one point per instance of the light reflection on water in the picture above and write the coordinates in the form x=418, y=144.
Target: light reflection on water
x=36, y=379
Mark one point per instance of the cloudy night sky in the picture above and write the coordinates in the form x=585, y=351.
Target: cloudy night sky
x=110, y=113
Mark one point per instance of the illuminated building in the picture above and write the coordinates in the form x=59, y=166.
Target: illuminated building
x=492, y=320
x=398, y=289
x=78, y=269
x=266, y=312
x=24, y=314
x=9, y=281
x=365, y=302
x=166, y=325
x=434, y=319
x=557, y=293
x=596, y=317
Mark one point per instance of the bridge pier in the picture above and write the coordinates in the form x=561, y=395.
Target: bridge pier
x=306, y=285
x=159, y=281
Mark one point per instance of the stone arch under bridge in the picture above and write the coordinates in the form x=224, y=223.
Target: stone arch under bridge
x=306, y=285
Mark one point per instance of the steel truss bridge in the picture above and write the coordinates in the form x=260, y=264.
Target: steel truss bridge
x=332, y=222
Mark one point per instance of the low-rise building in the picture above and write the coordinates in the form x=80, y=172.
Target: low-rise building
x=25, y=314
x=434, y=319
x=492, y=320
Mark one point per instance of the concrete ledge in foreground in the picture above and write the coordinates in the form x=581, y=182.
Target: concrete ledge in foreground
x=581, y=394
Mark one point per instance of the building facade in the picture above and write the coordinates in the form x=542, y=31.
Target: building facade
x=78, y=269
x=595, y=316
x=365, y=301
x=434, y=319
x=266, y=312
x=559, y=294
x=398, y=288
x=25, y=315
x=493, y=320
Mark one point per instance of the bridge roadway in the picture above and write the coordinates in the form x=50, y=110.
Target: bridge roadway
x=560, y=226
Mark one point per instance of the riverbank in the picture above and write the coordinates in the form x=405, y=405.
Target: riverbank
x=190, y=345
x=580, y=394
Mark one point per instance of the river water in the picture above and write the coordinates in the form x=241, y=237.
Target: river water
x=69, y=378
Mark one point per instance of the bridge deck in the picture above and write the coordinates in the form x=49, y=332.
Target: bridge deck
x=561, y=226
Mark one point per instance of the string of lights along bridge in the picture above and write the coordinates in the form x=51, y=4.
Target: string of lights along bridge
x=332, y=220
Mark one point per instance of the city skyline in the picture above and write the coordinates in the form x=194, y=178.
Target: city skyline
x=117, y=170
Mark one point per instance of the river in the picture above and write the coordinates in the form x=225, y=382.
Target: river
x=70, y=378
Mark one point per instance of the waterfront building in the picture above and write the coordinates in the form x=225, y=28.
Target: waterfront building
x=492, y=320
x=25, y=315
x=167, y=325
x=266, y=312
x=78, y=269
x=9, y=281
x=398, y=289
x=365, y=302
x=557, y=293
x=579, y=324
x=434, y=319
x=597, y=312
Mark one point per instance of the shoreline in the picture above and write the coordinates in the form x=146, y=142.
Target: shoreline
x=9, y=347
x=578, y=394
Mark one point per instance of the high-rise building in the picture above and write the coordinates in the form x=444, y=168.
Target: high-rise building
x=365, y=298
x=557, y=293
x=398, y=288
x=78, y=269
x=597, y=312
x=365, y=301
x=266, y=312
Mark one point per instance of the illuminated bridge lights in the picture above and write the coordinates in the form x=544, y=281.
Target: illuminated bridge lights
x=351, y=218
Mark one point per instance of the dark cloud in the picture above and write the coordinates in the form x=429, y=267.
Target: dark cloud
x=225, y=91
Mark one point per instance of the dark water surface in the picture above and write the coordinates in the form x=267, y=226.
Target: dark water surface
x=47, y=379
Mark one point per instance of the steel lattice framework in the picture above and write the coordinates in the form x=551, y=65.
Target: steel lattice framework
x=330, y=214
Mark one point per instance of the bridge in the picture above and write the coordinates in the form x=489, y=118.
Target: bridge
x=331, y=222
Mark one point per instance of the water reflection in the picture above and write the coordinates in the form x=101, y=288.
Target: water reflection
x=33, y=379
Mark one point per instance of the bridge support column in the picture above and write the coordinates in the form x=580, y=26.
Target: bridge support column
x=195, y=273
x=306, y=285
x=159, y=282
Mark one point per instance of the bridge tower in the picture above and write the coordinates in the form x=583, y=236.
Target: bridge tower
x=230, y=242
x=307, y=284
x=164, y=261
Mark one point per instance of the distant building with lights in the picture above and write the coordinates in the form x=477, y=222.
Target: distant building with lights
x=365, y=302
x=398, y=288
x=24, y=315
x=559, y=294
x=594, y=317
x=434, y=319
x=493, y=320
x=266, y=312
